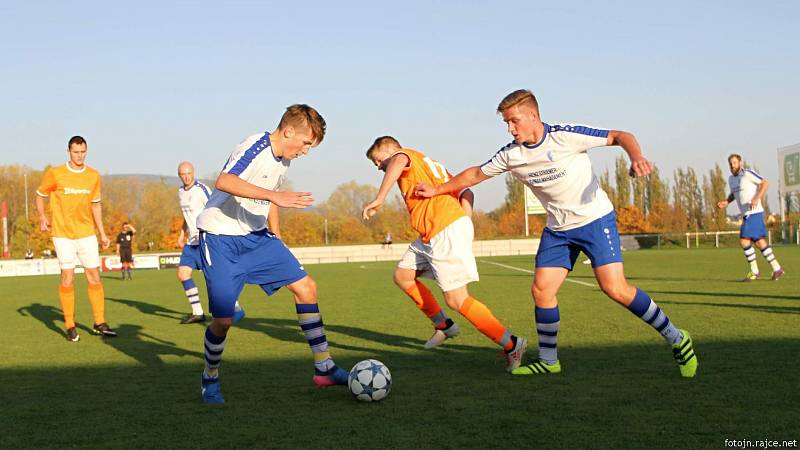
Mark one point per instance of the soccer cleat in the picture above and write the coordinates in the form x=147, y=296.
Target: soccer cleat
x=238, y=315
x=751, y=277
x=72, y=335
x=191, y=318
x=332, y=377
x=439, y=336
x=684, y=355
x=104, y=330
x=514, y=356
x=777, y=274
x=210, y=390
x=538, y=367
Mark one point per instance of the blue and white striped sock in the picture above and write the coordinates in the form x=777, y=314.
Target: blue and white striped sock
x=770, y=257
x=310, y=320
x=750, y=255
x=214, y=345
x=647, y=310
x=193, y=295
x=547, y=323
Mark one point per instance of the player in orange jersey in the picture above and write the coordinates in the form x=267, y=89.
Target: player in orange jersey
x=443, y=250
x=74, y=192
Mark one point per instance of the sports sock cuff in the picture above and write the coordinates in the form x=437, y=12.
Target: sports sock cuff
x=66, y=289
x=213, y=338
x=95, y=286
x=307, y=308
x=188, y=284
x=640, y=303
x=466, y=306
x=547, y=315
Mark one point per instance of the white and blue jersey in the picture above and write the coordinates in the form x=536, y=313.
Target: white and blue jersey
x=254, y=162
x=192, y=202
x=236, y=246
x=580, y=217
x=559, y=172
x=744, y=187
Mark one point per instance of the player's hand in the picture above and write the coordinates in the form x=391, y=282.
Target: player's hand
x=44, y=224
x=297, y=200
x=753, y=204
x=424, y=190
x=722, y=205
x=371, y=208
x=105, y=241
x=640, y=167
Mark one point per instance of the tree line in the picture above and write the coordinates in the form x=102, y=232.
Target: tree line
x=686, y=202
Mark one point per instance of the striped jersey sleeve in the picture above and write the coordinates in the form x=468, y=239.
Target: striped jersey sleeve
x=580, y=138
x=499, y=162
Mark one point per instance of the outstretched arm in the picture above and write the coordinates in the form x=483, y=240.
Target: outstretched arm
x=394, y=168
x=232, y=184
x=468, y=178
x=640, y=166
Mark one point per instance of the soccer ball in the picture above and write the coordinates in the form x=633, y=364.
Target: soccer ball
x=370, y=380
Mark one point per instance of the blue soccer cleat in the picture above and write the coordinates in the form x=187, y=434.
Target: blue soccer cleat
x=333, y=377
x=210, y=390
x=238, y=314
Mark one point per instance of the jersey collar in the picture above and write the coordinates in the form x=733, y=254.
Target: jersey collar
x=544, y=135
x=74, y=170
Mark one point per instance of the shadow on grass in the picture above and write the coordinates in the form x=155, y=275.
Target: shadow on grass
x=148, y=308
x=49, y=315
x=742, y=295
x=760, y=308
x=605, y=398
x=145, y=348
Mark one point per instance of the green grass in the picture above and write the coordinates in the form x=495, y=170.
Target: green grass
x=620, y=386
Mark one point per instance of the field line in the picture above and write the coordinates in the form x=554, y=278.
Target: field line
x=582, y=283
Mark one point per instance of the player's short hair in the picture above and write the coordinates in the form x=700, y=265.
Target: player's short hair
x=76, y=140
x=381, y=142
x=517, y=97
x=734, y=155
x=304, y=116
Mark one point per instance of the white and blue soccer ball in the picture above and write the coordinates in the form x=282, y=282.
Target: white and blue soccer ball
x=370, y=380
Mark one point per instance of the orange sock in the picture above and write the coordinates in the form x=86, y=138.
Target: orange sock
x=424, y=300
x=97, y=298
x=483, y=319
x=66, y=295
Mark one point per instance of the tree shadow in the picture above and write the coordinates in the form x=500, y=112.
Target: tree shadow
x=145, y=348
x=47, y=314
x=148, y=308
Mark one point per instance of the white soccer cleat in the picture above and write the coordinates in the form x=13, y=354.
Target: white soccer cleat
x=439, y=336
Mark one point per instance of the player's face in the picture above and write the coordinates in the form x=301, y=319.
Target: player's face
x=298, y=143
x=77, y=154
x=380, y=159
x=521, y=121
x=735, y=165
x=187, y=175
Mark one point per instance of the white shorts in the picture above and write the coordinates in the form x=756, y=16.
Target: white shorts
x=69, y=251
x=448, y=258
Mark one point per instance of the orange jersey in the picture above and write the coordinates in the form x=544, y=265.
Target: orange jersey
x=71, y=194
x=428, y=215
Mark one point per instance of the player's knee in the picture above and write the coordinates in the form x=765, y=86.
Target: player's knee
x=402, y=279
x=220, y=326
x=183, y=274
x=305, y=290
x=615, y=291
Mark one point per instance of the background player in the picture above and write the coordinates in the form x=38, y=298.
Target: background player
x=74, y=192
x=748, y=188
x=237, y=247
x=125, y=249
x=192, y=197
x=552, y=161
x=444, y=247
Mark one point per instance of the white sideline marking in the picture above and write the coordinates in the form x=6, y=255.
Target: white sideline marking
x=583, y=283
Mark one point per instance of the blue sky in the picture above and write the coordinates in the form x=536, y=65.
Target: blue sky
x=155, y=83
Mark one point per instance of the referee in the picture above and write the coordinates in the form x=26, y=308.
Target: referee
x=125, y=249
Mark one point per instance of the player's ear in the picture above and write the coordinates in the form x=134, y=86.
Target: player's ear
x=288, y=133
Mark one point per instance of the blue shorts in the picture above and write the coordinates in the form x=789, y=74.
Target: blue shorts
x=753, y=227
x=256, y=258
x=598, y=239
x=190, y=257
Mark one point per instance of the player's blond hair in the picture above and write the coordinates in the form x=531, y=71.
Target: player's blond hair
x=380, y=143
x=304, y=117
x=517, y=97
x=734, y=155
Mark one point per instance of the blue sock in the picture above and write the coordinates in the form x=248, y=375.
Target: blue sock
x=310, y=320
x=547, y=322
x=214, y=345
x=646, y=309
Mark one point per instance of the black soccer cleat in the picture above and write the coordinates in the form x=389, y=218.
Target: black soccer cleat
x=104, y=330
x=72, y=335
x=191, y=318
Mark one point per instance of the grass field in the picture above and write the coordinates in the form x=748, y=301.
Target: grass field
x=620, y=387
